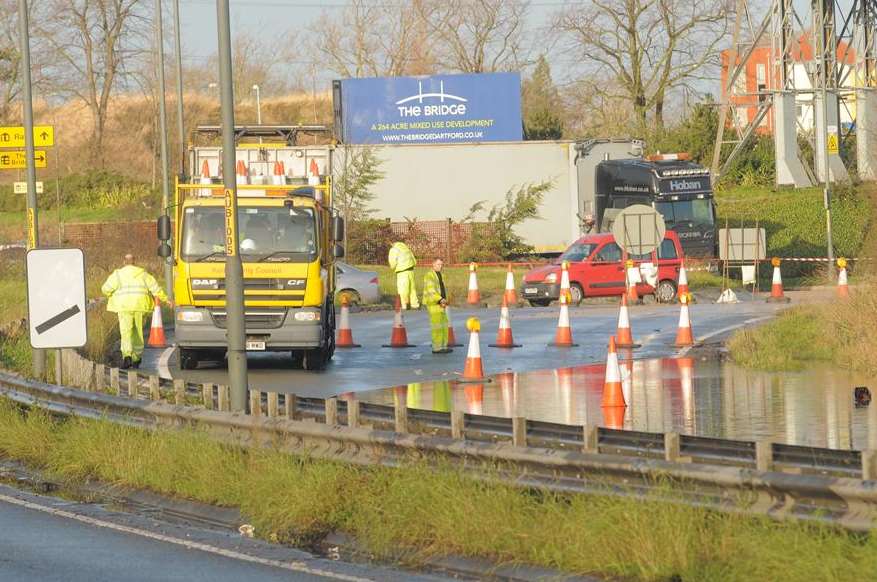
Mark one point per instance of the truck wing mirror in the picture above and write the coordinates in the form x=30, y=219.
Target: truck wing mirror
x=338, y=228
x=164, y=250
x=163, y=227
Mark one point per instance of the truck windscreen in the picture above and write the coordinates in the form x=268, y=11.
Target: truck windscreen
x=698, y=212
x=270, y=234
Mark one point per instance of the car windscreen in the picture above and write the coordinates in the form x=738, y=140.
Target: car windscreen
x=270, y=234
x=698, y=212
x=578, y=252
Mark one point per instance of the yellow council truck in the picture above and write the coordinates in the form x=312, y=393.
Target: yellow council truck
x=289, y=240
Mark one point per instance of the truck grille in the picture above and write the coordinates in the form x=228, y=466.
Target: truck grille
x=262, y=319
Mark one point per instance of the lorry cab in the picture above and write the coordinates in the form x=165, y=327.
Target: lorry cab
x=596, y=269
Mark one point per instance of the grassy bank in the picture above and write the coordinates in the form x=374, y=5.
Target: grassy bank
x=434, y=512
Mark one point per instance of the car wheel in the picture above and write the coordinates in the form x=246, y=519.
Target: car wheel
x=353, y=296
x=188, y=359
x=540, y=302
x=576, y=294
x=665, y=292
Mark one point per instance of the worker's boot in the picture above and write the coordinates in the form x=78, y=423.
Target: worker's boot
x=126, y=362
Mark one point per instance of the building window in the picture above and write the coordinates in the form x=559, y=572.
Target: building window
x=761, y=74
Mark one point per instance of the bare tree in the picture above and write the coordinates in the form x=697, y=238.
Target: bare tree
x=10, y=63
x=646, y=48
x=92, y=41
x=476, y=36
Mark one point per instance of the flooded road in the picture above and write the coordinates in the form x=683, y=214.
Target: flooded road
x=686, y=395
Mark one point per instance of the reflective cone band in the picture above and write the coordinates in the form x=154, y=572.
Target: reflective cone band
x=399, y=337
x=473, y=297
x=564, y=281
x=684, y=337
x=473, y=369
x=156, y=329
x=563, y=335
x=243, y=176
x=682, y=282
x=843, y=290
x=624, y=336
x=510, y=296
x=452, y=337
x=504, y=333
x=345, y=335
x=613, y=394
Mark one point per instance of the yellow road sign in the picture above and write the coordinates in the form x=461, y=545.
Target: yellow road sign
x=16, y=160
x=21, y=187
x=12, y=136
x=832, y=143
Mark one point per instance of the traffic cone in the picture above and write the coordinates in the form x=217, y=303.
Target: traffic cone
x=504, y=333
x=684, y=337
x=563, y=335
x=205, y=173
x=510, y=296
x=452, y=337
x=474, y=398
x=624, y=336
x=776, y=289
x=682, y=282
x=314, y=170
x=473, y=370
x=843, y=290
x=613, y=394
x=243, y=177
x=399, y=337
x=279, y=177
x=613, y=417
x=473, y=297
x=345, y=334
x=564, y=281
x=156, y=329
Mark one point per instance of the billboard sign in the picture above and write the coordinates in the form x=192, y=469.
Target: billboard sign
x=429, y=109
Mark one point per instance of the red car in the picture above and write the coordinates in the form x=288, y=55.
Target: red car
x=596, y=270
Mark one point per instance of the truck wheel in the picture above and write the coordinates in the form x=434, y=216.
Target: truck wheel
x=576, y=294
x=665, y=292
x=188, y=359
x=314, y=360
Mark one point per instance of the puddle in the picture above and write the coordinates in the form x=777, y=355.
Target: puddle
x=697, y=397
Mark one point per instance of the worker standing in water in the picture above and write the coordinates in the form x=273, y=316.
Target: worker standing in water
x=435, y=297
x=402, y=261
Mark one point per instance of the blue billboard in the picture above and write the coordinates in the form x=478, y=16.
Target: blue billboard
x=429, y=109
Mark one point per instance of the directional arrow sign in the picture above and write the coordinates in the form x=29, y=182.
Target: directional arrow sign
x=21, y=187
x=16, y=160
x=56, y=298
x=13, y=136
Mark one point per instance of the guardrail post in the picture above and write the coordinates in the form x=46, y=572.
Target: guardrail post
x=114, y=380
x=763, y=455
x=590, y=439
x=869, y=464
x=331, y=406
x=255, y=403
x=400, y=410
x=207, y=395
x=179, y=392
x=272, y=405
x=671, y=448
x=458, y=425
x=222, y=397
x=290, y=405
x=133, y=380
x=353, y=413
x=99, y=378
x=154, y=388
x=519, y=431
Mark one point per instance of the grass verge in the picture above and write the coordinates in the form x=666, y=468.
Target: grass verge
x=437, y=511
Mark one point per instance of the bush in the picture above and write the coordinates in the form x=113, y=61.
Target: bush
x=369, y=241
x=100, y=189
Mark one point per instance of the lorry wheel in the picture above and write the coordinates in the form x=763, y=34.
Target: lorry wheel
x=188, y=359
x=576, y=294
x=665, y=292
x=314, y=360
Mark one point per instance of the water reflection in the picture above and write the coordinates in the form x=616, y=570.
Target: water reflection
x=702, y=397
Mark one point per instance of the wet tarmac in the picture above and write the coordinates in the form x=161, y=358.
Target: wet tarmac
x=703, y=397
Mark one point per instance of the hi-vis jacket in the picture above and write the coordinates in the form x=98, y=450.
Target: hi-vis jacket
x=131, y=288
x=401, y=258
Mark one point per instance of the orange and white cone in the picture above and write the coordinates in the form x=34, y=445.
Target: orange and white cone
x=314, y=173
x=243, y=177
x=504, y=337
x=279, y=177
x=510, y=296
x=564, y=281
x=563, y=335
x=452, y=337
x=473, y=370
x=156, y=329
x=399, y=337
x=682, y=282
x=345, y=334
x=776, y=288
x=632, y=294
x=474, y=398
x=843, y=290
x=624, y=335
x=613, y=393
x=684, y=336
x=473, y=297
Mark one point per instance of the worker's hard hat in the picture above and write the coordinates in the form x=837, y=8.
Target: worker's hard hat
x=248, y=244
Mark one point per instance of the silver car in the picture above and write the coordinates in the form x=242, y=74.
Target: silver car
x=360, y=286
